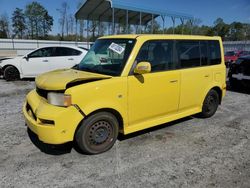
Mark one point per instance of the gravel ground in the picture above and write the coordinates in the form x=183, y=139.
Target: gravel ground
x=191, y=152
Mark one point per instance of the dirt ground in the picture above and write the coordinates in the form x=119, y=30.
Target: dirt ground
x=191, y=152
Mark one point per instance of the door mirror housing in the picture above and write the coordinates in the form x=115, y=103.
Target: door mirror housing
x=26, y=57
x=142, y=68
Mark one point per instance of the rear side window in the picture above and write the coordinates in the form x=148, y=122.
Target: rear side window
x=214, y=52
x=188, y=53
x=62, y=51
x=198, y=53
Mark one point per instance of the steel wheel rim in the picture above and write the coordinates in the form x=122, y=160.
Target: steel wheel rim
x=100, y=135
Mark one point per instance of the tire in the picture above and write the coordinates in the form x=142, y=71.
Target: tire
x=210, y=104
x=11, y=73
x=97, y=133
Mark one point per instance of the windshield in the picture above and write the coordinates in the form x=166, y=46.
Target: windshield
x=107, y=56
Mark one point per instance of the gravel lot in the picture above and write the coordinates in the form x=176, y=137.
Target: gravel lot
x=190, y=152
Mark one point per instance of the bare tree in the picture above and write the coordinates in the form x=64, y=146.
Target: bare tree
x=4, y=26
x=63, y=18
x=80, y=22
x=71, y=24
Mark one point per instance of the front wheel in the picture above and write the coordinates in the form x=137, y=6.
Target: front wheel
x=11, y=73
x=97, y=133
x=210, y=104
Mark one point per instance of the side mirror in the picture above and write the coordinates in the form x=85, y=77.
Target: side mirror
x=26, y=57
x=142, y=68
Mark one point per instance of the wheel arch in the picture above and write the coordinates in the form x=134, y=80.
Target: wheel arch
x=110, y=110
x=217, y=89
x=16, y=67
x=9, y=65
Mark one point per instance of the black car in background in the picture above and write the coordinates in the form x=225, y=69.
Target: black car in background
x=239, y=73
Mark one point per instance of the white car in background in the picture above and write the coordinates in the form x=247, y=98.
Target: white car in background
x=40, y=61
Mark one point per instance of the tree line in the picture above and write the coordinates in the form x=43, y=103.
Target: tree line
x=34, y=22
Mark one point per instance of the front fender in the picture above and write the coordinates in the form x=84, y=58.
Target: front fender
x=104, y=94
x=12, y=62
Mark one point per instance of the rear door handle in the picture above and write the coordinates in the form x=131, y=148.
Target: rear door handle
x=206, y=76
x=45, y=60
x=173, y=81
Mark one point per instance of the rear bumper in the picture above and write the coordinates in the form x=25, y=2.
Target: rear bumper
x=52, y=124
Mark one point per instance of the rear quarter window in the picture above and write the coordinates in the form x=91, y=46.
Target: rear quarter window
x=62, y=51
x=214, y=54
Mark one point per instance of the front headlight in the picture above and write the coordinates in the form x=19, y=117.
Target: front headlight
x=59, y=99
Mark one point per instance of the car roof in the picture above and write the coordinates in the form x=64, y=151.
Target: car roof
x=66, y=46
x=160, y=36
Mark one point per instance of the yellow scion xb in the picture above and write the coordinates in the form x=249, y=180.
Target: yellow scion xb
x=127, y=83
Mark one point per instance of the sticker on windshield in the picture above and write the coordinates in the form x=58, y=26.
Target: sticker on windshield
x=116, y=48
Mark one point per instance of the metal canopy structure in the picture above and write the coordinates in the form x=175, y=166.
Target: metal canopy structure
x=117, y=11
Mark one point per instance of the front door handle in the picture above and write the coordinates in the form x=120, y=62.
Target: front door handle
x=173, y=81
x=45, y=60
x=206, y=76
x=71, y=59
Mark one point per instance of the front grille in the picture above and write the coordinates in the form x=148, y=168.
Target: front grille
x=41, y=92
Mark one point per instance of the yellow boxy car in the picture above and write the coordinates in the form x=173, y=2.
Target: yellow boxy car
x=127, y=83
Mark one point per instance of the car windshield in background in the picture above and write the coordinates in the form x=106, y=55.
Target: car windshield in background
x=107, y=56
x=230, y=53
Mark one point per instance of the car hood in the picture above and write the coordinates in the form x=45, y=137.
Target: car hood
x=10, y=60
x=64, y=78
x=5, y=58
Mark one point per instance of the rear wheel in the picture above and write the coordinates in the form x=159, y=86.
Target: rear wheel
x=210, y=104
x=11, y=73
x=97, y=133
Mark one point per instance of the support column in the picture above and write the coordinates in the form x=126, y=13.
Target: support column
x=113, y=21
x=99, y=25
x=182, y=25
x=173, y=19
x=87, y=33
x=163, y=24
x=76, y=32
x=140, y=24
x=191, y=23
x=152, y=24
x=127, y=21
